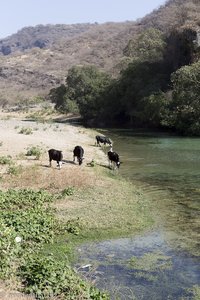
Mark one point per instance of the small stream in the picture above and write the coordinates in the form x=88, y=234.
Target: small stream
x=164, y=263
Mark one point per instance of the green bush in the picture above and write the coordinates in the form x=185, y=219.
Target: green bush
x=67, y=192
x=47, y=278
x=73, y=226
x=35, y=225
x=10, y=250
x=26, y=131
x=22, y=199
x=34, y=151
x=5, y=160
x=14, y=170
x=24, y=210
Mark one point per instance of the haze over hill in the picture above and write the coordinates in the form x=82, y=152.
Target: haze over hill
x=35, y=59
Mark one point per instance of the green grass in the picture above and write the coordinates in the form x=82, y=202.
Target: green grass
x=114, y=209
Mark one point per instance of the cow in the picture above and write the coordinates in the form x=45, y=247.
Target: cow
x=57, y=156
x=102, y=139
x=113, y=158
x=78, y=152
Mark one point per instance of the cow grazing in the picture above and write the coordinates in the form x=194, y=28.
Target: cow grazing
x=113, y=158
x=78, y=152
x=102, y=139
x=57, y=156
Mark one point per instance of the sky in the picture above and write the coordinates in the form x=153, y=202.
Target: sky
x=16, y=14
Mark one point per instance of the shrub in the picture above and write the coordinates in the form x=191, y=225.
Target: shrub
x=67, y=192
x=5, y=160
x=9, y=250
x=26, y=130
x=73, y=226
x=24, y=210
x=47, y=278
x=14, y=170
x=34, y=151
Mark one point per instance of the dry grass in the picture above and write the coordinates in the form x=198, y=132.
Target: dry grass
x=8, y=291
x=52, y=179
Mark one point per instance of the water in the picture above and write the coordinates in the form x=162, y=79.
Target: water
x=166, y=261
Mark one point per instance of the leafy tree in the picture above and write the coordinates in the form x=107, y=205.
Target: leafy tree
x=57, y=96
x=148, y=46
x=84, y=86
x=139, y=87
x=181, y=48
x=185, y=107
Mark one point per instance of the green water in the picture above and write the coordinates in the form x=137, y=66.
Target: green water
x=168, y=170
x=163, y=263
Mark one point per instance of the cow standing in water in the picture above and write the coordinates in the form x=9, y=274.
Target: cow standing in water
x=78, y=152
x=57, y=156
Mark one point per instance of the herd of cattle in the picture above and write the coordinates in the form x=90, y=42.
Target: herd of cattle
x=78, y=153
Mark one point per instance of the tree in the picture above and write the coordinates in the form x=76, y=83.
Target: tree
x=185, y=107
x=141, y=85
x=57, y=96
x=148, y=46
x=84, y=85
x=182, y=48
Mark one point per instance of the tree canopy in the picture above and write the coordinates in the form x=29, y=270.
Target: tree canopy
x=158, y=86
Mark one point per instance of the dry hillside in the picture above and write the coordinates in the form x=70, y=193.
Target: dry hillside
x=35, y=59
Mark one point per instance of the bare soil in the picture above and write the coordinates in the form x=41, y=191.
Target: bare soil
x=58, y=135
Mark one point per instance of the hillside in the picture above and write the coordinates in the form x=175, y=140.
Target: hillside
x=35, y=70
x=35, y=59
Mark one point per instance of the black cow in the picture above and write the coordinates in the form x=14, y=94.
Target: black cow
x=78, y=152
x=57, y=156
x=102, y=139
x=113, y=158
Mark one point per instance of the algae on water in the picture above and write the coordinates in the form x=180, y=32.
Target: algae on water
x=150, y=265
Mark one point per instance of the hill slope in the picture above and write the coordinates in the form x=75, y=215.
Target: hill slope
x=35, y=59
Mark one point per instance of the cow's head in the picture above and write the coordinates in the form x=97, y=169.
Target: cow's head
x=80, y=160
x=118, y=164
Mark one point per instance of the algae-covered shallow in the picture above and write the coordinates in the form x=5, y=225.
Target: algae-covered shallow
x=142, y=267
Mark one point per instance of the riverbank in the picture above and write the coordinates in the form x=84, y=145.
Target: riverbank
x=94, y=201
